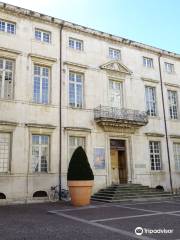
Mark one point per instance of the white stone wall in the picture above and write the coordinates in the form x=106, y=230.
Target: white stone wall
x=96, y=82
x=20, y=183
x=22, y=117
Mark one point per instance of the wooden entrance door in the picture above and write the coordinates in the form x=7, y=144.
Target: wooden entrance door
x=122, y=166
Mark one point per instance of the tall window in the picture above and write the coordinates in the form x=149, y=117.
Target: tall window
x=176, y=149
x=42, y=36
x=41, y=84
x=7, y=27
x=148, y=62
x=155, y=155
x=76, y=44
x=114, y=53
x=173, y=105
x=151, y=101
x=40, y=153
x=75, y=90
x=6, y=78
x=4, y=152
x=169, y=67
x=75, y=142
x=115, y=89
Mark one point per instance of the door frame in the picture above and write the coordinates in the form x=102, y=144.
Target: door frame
x=128, y=152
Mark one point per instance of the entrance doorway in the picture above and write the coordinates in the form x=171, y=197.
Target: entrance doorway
x=118, y=161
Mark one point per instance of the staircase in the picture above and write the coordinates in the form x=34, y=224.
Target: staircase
x=129, y=192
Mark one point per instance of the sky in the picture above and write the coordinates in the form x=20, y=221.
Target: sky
x=154, y=22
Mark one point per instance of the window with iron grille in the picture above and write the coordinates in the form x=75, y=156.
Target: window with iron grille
x=76, y=44
x=75, y=89
x=4, y=152
x=176, y=149
x=7, y=27
x=148, y=62
x=114, y=53
x=173, y=104
x=42, y=36
x=75, y=142
x=151, y=101
x=40, y=153
x=6, y=78
x=169, y=67
x=41, y=84
x=155, y=155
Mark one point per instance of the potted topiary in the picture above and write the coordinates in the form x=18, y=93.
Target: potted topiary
x=80, y=178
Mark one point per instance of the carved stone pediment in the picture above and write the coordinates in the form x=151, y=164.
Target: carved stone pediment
x=116, y=66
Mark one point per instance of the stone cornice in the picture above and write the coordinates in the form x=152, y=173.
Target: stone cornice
x=8, y=123
x=16, y=52
x=154, y=134
x=150, y=80
x=174, y=136
x=80, y=129
x=37, y=125
x=42, y=59
x=172, y=85
x=75, y=64
x=58, y=22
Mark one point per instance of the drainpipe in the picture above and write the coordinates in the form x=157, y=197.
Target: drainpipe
x=165, y=124
x=60, y=107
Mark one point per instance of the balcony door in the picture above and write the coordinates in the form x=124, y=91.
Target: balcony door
x=115, y=91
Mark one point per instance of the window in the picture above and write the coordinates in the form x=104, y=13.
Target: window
x=155, y=155
x=41, y=84
x=40, y=153
x=6, y=78
x=176, y=149
x=169, y=67
x=7, y=27
x=75, y=90
x=76, y=44
x=151, y=101
x=173, y=106
x=75, y=142
x=4, y=152
x=42, y=36
x=148, y=62
x=115, y=89
x=114, y=53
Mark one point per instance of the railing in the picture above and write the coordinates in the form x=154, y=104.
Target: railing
x=103, y=113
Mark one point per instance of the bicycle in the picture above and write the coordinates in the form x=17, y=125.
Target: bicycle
x=54, y=194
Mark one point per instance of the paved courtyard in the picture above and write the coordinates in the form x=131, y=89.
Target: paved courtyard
x=157, y=220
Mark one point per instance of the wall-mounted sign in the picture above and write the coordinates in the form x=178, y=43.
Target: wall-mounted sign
x=99, y=158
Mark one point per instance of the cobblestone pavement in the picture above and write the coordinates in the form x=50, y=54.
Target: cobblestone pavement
x=99, y=221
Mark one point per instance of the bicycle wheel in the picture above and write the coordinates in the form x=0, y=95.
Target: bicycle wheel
x=53, y=196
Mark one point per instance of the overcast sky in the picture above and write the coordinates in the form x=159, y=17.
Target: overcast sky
x=155, y=22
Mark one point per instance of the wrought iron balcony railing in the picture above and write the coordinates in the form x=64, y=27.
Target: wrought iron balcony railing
x=115, y=116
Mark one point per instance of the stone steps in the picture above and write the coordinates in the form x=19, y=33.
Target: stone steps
x=126, y=192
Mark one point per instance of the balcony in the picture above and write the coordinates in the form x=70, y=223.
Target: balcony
x=115, y=117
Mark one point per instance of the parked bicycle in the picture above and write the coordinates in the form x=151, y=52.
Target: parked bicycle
x=54, y=194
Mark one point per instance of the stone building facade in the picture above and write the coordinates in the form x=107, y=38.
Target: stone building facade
x=63, y=85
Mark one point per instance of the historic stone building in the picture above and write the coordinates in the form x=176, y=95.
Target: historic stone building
x=119, y=99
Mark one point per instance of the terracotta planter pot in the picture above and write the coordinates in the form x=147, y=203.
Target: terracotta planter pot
x=80, y=192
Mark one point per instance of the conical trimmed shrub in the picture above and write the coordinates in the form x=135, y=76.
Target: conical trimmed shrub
x=79, y=167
